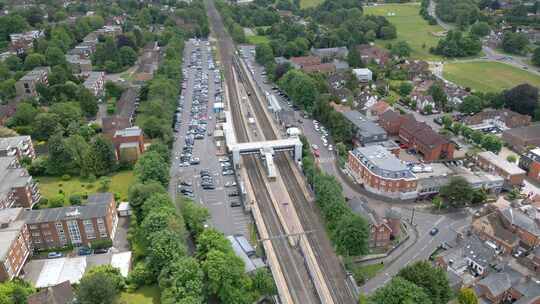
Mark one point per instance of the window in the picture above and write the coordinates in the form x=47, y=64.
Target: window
x=74, y=233
x=33, y=226
x=89, y=229
x=35, y=234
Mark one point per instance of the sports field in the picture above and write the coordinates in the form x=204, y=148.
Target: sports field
x=488, y=76
x=410, y=27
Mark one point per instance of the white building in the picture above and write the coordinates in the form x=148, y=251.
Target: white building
x=363, y=75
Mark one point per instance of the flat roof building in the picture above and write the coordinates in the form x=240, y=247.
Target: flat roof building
x=19, y=146
x=366, y=131
x=492, y=163
x=95, y=83
x=17, y=188
x=15, y=244
x=26, y=86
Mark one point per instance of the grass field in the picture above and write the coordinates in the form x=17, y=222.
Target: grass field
x=50, y=186
x=364, y=273
x=257, y=39
x=488, y=76
x=143, y=295
x=309, y=3
x=410, y=27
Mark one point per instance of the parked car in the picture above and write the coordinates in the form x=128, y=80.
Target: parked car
x=101, y=251
x=434, y=231
x=228, y=172
x=235, y=204
x=54, y=255
x=230, y=184
x=186, y=183
x=85, y=251
x=234, y=193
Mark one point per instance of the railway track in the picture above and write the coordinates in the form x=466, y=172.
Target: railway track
x=309, y=215
x=291, y=260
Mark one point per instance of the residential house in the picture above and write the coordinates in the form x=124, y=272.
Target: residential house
x=492, y=163
x=363, y=75
x=18, y=146
x=424, y=103
x=391, y=121
x=109, y=30
x=111, y=124
x=521, y=139
x=365, y=130
x=15, y=247
x=380, y=231
x=455, y=93
x=128, y=144
x=95, y=83
x=496, y=287
x=312, y=64
x=416, y=69
x=74, y=225
x=22, y=42
x=330, y=53
x=490, y=228
x=84, y=49
x=381, y=172
x=530, y=162
x=503, y=119
x=17, y=188
x=79, y=65
x=526, y=226
x=377, y=110
x=370, y=53
x=26, y=86
x=58, y=294
x=468, y=258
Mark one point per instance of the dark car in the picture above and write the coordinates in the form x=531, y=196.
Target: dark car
x=434, y=231
x=186, y=183
x=85, y=251
x=101, y=251
x=235, y=204
x=186, y=191
x=208, y=187
x=234, y=193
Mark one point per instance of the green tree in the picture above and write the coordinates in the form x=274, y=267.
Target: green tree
x=54, y=56
x=514, y=43
x=68, y=112
x=480, y=29
x=211, y=239
x=7, y=89
x=97, y=288
x=103, y=155
x=263, y=282
x=536, y=56
x=432, y=279
x=405, y=88
x=457, y=192
x=439, y=96
x=112, y=272
x=351, y=235
x=138, y=193
x=34, y=60
x=437, y=202
x=467, y=296
x=354, y=59
x=151, y=166
x=264, y=53
x=87, y=102
x=195, y=216
x=471, y=104
x=165, y=246
x=15, y=292
x=492, y=143
x=45, y=125
x=128, y=56
x=511, y=158
x=24, y=115
x=181, y=279
x=400, y=291
x=401, y=49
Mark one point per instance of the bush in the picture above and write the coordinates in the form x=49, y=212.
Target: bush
x=91, y=178
x=139, y=276
x=66, y=177
x=75, y=199
x=101, y=244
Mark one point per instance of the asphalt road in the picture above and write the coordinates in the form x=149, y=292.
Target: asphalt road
x=224, y=218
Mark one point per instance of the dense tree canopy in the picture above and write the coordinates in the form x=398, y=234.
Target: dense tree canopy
x=432, y=279
x=400, y=291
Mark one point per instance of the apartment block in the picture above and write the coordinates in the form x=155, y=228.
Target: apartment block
x=18, y=146
x=492, y=163
x=17, y=188
x=95, y=83
x=530, y=162
x=128, y=144
x=21, y=42
x=15, y=244
x=75, y=225
x=79, y=65
x=26, y=86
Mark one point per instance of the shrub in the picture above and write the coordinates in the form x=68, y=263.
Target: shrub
x=100, y=244
x=75, y=199
x=91, y=178
x=66, y=177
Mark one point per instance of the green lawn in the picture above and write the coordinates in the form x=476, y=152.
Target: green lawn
x=50, y=186
x=257, y=39
x=364, y=273
x=309, y=3
x=488, y=76
x=410, y=27
x=143, y=295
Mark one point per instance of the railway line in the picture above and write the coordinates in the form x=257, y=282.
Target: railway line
x=309, y=215
x=291, y=260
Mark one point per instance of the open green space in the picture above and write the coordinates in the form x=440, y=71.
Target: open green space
x=410, y=27
x=143, y=295
x=364, y=273
x=50, y=187
x=488, y=76
x=257, y=39
x=309, y=3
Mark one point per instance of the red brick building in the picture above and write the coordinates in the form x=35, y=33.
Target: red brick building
x=15, y=244
x=530, y=162
x=75, y=225
x=370, y=53
x=380, y=229
x=417, y=135
x=381, y=172
x=521, y=139
x=491, y=163
x=312, y=64
x=17, y=188
x=128, y=144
